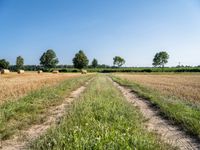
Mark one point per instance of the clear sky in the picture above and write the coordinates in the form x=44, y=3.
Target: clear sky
x=133, y=29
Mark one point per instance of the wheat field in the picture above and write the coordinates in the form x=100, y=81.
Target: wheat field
x=13, y=85
x=183, y=86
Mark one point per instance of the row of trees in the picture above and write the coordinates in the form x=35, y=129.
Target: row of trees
x=49, y=60
x=4, y=64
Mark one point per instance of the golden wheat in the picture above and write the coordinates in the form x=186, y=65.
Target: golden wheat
x=13, y=85
x=183, y=86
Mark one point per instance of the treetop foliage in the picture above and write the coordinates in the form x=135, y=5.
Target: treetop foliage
x=160, y=59
x=19, y=62
x=49, y=59
x=4, y=64
x=80, y=60
x=94, y=63
x=119, y=61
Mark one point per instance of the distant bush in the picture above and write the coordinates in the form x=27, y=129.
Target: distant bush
x=68, y=69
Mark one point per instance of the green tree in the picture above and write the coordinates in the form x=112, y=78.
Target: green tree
x=94, y=63
x=119, y=61
x=49, y=59
x=160, y=59
x=80, y=60
x=4, y=64
x=19, y=62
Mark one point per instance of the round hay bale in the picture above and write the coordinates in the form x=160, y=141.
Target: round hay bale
x=20, y=71
x=83, y=71
x=40, y=71
x=5, y=71
x=55, y=71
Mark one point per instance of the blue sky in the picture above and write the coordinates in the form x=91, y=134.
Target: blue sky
x=133, y=29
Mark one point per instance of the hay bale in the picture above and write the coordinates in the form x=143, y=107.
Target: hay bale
x=83, y=71
x=40, y=71
x=55, y=71
x=5, y=71
x=20, y=71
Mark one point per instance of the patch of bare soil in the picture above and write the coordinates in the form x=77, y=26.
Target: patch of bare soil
x=168, y=133
x=21, y=140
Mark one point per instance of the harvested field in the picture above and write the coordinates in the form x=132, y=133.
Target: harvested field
x=34, y=107
x=54, y=116
x=183, y=86
x=13, y=85
x=154, y=122
x=184, y=113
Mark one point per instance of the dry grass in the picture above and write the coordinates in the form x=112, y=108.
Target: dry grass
x=13, y=85
x=183, y=86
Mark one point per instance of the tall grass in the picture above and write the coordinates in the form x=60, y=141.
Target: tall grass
x=31, y=109
x=100, y=119
x=178, y=111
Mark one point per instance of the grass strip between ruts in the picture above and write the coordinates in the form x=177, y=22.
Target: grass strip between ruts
x=100, y=119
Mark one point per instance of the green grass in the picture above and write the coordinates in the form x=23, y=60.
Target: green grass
x=100, y=119
x=180, y=112
x=31, y=109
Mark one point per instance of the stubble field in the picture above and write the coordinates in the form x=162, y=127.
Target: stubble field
x=100, y=116
x=183, y=86
x=13, y=85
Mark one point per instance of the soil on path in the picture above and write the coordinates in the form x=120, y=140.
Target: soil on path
x=20, y=141
x=168, y=133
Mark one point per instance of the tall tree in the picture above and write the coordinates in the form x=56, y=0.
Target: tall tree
x=80, y=60
x=19, y=62
x=119, y=61
x=4, y=64
x=94, y=63
x=49, y=59
x=160, y=59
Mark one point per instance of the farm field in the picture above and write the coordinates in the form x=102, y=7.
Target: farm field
x=99, y=75
x=100, y=119
x=13, y=85
x=183, y=86
x=33, y=107
x=177, y=96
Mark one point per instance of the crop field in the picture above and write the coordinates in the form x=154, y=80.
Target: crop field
x=99, y=75
x=183, y=86
x=176, y=95
x=91, y=111
x=100, y=119
x=13, y=85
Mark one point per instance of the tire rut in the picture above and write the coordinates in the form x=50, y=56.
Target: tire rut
x=20, y=141
x=168, y=133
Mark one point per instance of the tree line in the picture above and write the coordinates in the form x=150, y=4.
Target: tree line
x=49, y=60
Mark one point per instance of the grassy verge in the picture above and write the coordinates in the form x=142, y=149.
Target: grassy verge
x=31, y=109
x=178, y=111
x=100, y=119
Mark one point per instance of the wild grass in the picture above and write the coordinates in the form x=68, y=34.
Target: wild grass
x=100, y=119
x=13, y=85
x=31, y=109
x=183, y=86
x=179, y=111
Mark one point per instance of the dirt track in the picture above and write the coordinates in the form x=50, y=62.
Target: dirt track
x=20, y=141
x=154, y=122
x=169, y=133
